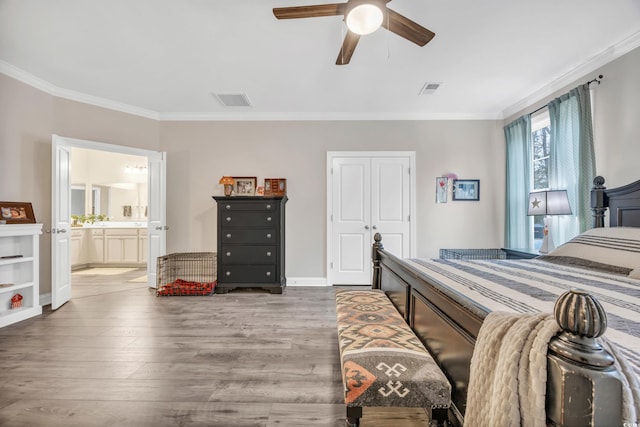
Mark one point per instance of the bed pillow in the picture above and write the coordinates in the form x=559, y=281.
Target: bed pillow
x=611, y=248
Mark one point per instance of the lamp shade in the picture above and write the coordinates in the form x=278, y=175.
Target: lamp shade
x=227, y=180
x=364, y=19
x=551, y=202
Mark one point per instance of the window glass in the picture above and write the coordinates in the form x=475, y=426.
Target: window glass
x=541, y=140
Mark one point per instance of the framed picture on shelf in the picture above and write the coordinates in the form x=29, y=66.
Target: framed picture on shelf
x=441, y=189
x=17, y=213
x=466, y=189
x=244, y=185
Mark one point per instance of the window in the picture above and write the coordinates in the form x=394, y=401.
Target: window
x=541, y=150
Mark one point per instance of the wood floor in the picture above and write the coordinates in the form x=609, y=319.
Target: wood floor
x=117, y=355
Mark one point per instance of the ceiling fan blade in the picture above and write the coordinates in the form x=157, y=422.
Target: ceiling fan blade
x=309, y=11
x=348, y=46
x=405, y=27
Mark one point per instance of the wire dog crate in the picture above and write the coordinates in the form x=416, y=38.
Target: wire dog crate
x=186, y=273
x=472, y=254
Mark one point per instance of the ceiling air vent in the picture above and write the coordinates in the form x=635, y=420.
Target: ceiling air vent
x=429, y=88
x=233, y=99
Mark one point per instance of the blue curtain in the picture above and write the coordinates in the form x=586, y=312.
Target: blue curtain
x=518, y=226
x=572, y=160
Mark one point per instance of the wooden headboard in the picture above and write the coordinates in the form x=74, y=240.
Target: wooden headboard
x=623, y=204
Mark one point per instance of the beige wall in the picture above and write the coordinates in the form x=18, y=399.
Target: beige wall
x=200, y=152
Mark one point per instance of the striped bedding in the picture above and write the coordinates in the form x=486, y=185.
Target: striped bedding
x=523, y=286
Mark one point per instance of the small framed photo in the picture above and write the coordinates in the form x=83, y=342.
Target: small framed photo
x=466, y=189
x=244, y=185
x=17, y=213
x=441, y=189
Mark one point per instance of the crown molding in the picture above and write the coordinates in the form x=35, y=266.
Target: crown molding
x=53, y=90
x=592, y=64
x=323, y=116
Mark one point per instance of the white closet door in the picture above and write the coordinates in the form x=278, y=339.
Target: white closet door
x=390, y=203
x=351, y=238
x=368, y=195
x=60, y=221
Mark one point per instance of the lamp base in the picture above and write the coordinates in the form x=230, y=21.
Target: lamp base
x=228, y=189
x=547, y=241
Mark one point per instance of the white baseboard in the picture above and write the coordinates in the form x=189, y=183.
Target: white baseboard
x=45, y=299
x=307, y=281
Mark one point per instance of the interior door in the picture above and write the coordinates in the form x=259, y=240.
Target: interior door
x=60, y=222
x=156, y=227
x=351, y=219
x=390, y=203
x=369, y=194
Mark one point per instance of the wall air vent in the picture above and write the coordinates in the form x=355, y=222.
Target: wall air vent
x=429, y=88
x=233, y=99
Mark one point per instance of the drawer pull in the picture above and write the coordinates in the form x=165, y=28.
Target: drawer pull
x=268, y=206
x=228, y=219
x=269, y=253
x=268, y=235
x=228, y=206
x=228, y=235
x=228, y=273
x=268, y=273
x=268, y=219
x=228, y=253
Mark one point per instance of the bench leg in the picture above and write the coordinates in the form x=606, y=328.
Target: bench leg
x=354, y=413
x=439, y=417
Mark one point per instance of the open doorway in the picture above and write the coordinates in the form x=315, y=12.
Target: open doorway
x=132, y=201
x=109, y=207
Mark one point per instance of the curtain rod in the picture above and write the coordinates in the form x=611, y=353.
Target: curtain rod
x=596, y=80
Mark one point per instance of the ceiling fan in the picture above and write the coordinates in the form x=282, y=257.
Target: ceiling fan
x=362, y=17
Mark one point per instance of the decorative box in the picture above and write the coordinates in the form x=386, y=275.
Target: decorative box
x=275, y=186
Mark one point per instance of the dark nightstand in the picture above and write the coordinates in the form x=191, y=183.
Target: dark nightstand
x=520, y=253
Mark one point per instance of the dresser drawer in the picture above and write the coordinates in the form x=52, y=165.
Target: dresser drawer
x=246, y=218
x=248, y=206
x=248, y=255
x=248, y=235
x=247, y=274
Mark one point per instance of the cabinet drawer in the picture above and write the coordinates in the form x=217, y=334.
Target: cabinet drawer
x=248, y=206
x=247, y=274
x=248, y=255
x=253, y=219
x=121, y=232
x=249, y=235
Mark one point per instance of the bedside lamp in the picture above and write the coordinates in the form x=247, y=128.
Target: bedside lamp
x=228, y=182
x=547, y=203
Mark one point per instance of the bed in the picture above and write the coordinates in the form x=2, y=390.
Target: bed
x=446, y=301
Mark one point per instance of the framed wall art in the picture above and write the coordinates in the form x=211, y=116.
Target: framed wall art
x=244, y=185
x=441, y=189
x=466, y=189
x=17, y=213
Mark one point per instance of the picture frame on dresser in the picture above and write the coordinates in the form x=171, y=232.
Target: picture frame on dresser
x=244, y=185
x=17, y=213
x=466, y=190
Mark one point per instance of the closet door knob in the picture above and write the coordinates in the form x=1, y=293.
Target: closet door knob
x=375, y=227
x=366, y=227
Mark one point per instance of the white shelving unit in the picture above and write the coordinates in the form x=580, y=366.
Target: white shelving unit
x=19, y=271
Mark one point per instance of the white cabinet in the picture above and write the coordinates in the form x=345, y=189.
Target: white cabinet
x=121, y=246
x=79, y=248
x=19, y=271
x=142, y=247
x=97, y=246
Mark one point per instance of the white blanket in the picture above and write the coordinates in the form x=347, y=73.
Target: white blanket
x=507, y=383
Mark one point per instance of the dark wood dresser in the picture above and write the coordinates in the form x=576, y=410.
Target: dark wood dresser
x=251, y=243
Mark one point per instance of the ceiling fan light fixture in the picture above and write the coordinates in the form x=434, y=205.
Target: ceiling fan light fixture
x=364, y=19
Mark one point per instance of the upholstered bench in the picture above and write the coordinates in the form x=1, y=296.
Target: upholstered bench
x=383, y=362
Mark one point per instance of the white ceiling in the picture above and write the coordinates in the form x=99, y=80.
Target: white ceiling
x=164, y=58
